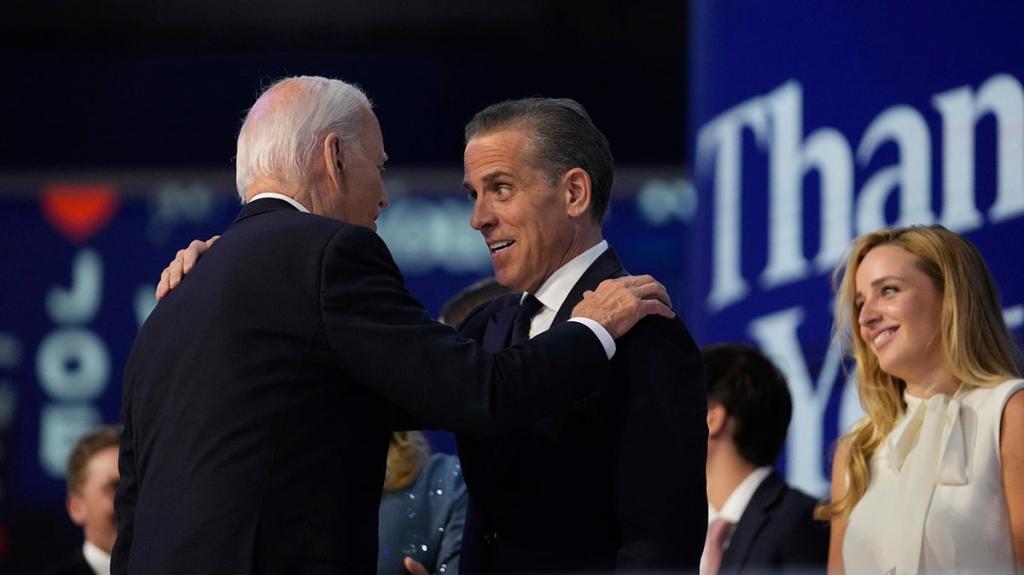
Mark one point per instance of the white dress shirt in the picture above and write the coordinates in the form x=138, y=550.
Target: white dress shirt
x=736, y=503
x=97, y=558
x=276, y=196
x=556, y=288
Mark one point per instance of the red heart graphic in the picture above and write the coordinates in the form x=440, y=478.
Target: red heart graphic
x=79, y=210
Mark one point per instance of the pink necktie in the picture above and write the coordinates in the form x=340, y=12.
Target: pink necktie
x=718, y=532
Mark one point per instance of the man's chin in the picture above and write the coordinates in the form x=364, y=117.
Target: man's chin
x=510, y=283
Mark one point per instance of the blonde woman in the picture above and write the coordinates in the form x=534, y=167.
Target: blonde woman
x=422, y=509
x=931, y=480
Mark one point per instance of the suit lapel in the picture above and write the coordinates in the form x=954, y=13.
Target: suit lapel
x=607, y=265
x=499, y=329
x=498, y=451
x=755, y=516
x=504, y=454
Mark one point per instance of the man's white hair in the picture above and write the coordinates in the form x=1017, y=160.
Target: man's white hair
x=283, y=133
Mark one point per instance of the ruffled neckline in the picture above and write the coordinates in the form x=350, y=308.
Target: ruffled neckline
x=912, y=401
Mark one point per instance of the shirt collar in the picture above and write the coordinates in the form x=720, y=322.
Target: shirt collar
x=97, y=558
x=556, y=288
x=740, y=497
x=277, y=196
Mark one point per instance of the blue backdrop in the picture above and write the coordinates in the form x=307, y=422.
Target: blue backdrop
x=814, y=122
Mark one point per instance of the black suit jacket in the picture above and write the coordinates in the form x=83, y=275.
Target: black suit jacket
x=258, y=399
x=74, y=564
x=777, y=532
x=618, y=483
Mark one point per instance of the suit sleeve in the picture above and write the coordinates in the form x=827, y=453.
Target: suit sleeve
x=807, y=543
x=660, y=446
x=384, y=339
x=127, y=489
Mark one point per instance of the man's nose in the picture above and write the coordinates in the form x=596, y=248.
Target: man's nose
x=481, y=216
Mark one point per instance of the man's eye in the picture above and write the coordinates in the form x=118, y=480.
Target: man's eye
x=889, y=290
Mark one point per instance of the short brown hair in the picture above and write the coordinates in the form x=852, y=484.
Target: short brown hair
x=89, y=445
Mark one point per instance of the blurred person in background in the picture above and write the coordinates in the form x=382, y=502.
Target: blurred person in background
x=422, y=509
x=757, y=523
x=478, y=293
x=931, y=480
x=92, y=478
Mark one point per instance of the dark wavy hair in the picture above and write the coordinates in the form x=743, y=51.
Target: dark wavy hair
x=753, y=392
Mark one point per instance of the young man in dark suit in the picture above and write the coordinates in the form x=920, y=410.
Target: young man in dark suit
x=617, y=484
x=757, y=523
x=92, y=478
x=259, y=396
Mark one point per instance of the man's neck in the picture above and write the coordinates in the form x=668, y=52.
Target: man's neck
x=274, y=186
x=725, y=472
x=590, y=237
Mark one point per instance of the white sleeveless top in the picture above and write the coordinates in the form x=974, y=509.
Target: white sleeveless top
x=935, y=501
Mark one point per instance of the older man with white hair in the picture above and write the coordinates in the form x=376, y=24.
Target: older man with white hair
x=259, y=396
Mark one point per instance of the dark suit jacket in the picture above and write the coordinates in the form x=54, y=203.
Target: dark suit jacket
x=618, y=483
x=777, y=532
x=74, y=564
x=258, y=399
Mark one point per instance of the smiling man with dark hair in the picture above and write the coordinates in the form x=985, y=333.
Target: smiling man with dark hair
x=617, y=484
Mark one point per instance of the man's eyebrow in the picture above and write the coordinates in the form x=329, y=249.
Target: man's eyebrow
x=497, y=174
x=489, y=178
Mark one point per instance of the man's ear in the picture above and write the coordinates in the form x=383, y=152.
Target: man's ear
x=717, y=417
x=577, y=186
x=76, y=508
x=334, y=160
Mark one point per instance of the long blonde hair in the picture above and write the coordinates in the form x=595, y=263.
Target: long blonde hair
x=978, y=348
x=407, y=453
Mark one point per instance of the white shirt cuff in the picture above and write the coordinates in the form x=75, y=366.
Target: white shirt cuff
x=602, y=334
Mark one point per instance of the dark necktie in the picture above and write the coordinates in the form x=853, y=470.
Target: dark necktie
x=524, y=315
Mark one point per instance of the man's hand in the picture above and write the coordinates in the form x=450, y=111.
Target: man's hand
x=181, y=265
x=414, y=567
x=619, y=303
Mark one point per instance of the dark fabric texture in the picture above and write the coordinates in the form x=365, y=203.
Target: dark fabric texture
x=259, y=395
x=74, y=564
x=618, y=483
x=777, y=533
